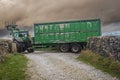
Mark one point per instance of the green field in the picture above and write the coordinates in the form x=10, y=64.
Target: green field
x=14, y=67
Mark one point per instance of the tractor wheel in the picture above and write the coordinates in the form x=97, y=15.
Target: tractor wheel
x=30, y=50
x=64, y=47
x=75, y=48
x=20, y=49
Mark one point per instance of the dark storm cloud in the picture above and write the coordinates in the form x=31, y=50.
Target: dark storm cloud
x=28, y=12
x=54, y=10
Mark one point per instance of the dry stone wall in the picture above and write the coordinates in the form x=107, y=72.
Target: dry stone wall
x=105, y=46
x=4, y=48
x=2, y=53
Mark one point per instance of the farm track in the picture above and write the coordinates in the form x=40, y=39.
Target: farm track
x=61, y=66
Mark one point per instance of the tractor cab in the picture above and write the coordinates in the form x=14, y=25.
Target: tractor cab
x=23, y=35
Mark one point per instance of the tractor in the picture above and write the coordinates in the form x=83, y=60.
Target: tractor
x=21, y=38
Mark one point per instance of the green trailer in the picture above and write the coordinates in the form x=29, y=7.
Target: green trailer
x=67, y=35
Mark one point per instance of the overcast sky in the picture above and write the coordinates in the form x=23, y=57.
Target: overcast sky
x=28, y=12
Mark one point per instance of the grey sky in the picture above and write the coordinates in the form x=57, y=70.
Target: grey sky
x=28, y=12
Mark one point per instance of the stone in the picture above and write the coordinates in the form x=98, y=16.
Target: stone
x=105, y=46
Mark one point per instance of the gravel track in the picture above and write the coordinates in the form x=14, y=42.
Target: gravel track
x=61, y=66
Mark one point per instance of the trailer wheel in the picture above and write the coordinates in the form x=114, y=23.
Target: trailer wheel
x=75, y=48
x=64, y=47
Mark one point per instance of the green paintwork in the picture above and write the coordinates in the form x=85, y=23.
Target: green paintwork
x=66, y=32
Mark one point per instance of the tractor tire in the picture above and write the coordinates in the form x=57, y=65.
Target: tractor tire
x=64, y=47
x=75, y=48
x=20, y=48
x=30, y=50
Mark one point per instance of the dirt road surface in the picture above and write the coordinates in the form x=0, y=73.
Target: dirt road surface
x=61, y=66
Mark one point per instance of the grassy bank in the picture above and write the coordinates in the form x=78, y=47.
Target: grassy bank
x=102, y=63
x=13, y=68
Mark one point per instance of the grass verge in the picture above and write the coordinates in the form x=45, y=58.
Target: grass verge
x=14, y=67
x=105, y=64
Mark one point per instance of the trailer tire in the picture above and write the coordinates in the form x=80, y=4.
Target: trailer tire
x=64, y=47
x=75, y=48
